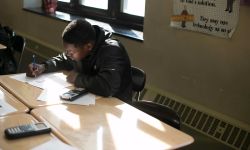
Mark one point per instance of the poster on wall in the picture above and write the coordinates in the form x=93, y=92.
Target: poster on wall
x=214, y=17
x=245, y=2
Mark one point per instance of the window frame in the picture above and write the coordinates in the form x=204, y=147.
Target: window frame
x=113, y=15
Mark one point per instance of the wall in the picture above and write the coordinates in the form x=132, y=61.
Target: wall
x=206, y=70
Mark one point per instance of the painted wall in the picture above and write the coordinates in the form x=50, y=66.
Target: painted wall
x=203, y=69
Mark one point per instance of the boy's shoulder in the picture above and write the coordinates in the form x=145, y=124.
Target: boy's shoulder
x=112, y=42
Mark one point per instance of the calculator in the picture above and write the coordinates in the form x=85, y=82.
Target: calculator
x=26, y=130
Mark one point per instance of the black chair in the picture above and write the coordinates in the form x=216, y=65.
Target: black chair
x=138, y=81
x=161, y=112
x=18, y=44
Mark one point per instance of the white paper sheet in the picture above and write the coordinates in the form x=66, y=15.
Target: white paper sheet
x=54, y=144
x=50, y=95
x=22, y=77
x=44, y=81
x=6, y=108
x=88, y=99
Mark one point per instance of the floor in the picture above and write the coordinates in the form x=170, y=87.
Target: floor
x=202, y=142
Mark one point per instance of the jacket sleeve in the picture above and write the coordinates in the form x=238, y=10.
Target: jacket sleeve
x=108, y=78
x=60, y=62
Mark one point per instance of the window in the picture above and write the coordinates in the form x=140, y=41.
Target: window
x=66, y=1
x=101, y=4
x=129, y=13
x=134, y=7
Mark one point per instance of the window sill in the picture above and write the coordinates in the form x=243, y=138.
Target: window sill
x=117, y=30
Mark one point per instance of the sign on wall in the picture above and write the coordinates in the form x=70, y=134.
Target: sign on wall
x=214, y=17
x=245, y=2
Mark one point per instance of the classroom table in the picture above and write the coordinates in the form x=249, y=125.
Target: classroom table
x=9, y=99
x=27, y=93
x=23, y=143
x=2, y=46
x=110, y=124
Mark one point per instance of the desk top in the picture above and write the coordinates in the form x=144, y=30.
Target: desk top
x=2, y=46
x=110, y=124
x=23, y=143
x=24, y=92
x=27, y=93
x=11, y=100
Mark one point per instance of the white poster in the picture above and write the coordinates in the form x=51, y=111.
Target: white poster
x=214, y=17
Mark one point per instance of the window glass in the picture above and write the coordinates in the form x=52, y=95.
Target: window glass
x=101, y=4
x=66, y=1
x=134, y=7
x=128, y=13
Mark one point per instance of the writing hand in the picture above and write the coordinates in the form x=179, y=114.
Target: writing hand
x=34, y=70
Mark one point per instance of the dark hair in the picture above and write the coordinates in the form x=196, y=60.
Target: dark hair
x=79, y=32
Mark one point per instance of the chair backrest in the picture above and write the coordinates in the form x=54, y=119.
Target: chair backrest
x=158, y=111
x=161, y=112
x=18, y=44
x=138, y=80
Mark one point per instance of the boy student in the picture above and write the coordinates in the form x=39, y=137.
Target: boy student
x=95, y=61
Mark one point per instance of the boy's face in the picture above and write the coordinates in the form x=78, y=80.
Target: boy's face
x=77, y=53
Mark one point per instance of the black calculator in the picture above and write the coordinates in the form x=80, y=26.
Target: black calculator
x=26, y=130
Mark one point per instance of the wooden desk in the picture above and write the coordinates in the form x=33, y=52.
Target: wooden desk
x=24, y=92
x=111, y=124
x=23, y=143
x=10, y=99
x=2, y=46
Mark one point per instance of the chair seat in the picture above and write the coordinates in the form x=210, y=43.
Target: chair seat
x=159, y=111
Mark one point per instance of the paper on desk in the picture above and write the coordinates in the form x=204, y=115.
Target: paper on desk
x=53, y=95
x=44, y=81
x=6, y=108
x=22, y=77
x=54, y=144
x=88, y=99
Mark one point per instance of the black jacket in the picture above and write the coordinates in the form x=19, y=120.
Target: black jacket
x=105, y=71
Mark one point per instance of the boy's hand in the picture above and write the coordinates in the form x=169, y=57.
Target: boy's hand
x=72, y=77
x=34, y=70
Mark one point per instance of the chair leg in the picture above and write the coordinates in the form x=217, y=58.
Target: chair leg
x=19, y=63
x=138, y=96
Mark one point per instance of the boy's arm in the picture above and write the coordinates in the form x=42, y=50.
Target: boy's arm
x=60, y=62
x=108, y=79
